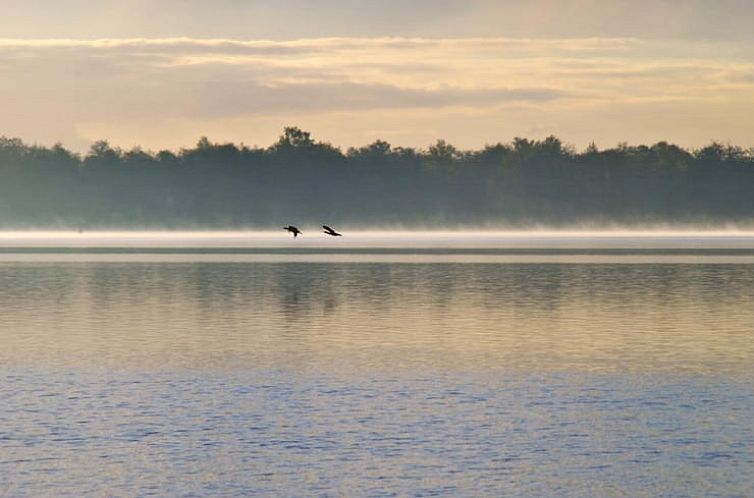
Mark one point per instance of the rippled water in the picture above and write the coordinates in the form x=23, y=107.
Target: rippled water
x=377, y=372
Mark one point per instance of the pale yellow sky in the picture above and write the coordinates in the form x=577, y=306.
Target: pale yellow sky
x=593, y=79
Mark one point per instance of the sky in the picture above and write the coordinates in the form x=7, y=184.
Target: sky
x=162, y=73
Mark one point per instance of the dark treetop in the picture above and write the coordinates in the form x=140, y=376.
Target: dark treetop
x=514, y=184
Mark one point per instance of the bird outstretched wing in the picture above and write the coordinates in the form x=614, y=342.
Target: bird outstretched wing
x=330, y=231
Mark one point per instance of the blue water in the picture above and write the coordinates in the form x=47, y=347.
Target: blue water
x=196, y=433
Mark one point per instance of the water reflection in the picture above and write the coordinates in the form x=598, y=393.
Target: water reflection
x=654, y=317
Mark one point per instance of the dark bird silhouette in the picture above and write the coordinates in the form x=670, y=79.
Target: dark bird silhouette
x=330, y=231
x=295, y=231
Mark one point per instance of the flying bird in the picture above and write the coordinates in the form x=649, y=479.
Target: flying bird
x=330, y=231
x=294, y=230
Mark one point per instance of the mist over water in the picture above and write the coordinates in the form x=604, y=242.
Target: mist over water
x=378, y=363
x=619, y=238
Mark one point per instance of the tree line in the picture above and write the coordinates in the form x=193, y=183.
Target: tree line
x=300, y=180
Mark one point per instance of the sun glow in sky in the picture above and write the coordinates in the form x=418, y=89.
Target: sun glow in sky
x=160, y=74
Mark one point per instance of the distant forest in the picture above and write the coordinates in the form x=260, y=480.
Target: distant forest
x=299, y=180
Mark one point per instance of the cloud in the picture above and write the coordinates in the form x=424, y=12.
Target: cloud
x=54, y=88
x=228, y=99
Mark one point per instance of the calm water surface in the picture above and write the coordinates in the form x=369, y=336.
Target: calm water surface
x=356, y=372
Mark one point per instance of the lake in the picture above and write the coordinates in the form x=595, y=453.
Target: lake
x=532, y=364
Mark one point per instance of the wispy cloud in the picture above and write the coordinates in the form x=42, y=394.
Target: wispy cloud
x=59, y=87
